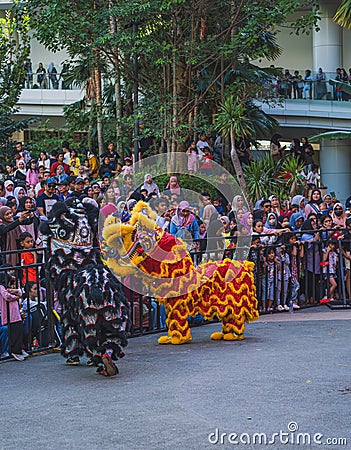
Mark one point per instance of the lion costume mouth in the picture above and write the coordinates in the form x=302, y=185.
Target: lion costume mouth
x=129, y=243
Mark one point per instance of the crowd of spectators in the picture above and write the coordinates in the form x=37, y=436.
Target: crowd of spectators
x=290, y=240
x=310, y=86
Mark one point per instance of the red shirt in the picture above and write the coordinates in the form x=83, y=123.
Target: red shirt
x=26, y=259
x=207, y=161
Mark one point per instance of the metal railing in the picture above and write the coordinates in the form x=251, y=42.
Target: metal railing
x=147, y=316
x=51, y=81
x=312, y=89
x=41, y=328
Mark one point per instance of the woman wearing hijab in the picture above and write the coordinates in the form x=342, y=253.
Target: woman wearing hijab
x=174, y=188
x=184, y=223
x=238, y=202
x=247, y=222
x=53, y=75
x=226, y=233
x=150, y=185
x=122, y=211
x=31, y=225
x=313, y=204
x=311, y=238
x=214, y=236
x=276, y=208
x=21, y=173
x=18, y=193
x=339, y=216
x=9, y=234
x=296, y=221
x=299, y=201
x=9, y=186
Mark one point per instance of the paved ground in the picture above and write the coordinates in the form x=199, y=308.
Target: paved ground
x=290, y=369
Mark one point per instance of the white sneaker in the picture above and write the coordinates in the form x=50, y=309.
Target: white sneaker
x=5, y=355
x=280, y=308
x=25, y=354
x=18, y=357
x=286, y=307
x=296, y=306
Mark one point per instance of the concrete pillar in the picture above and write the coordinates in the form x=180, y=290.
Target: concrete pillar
x=327, y=42
x=335, y=165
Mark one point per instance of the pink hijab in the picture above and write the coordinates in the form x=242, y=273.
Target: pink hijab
x=108, y=209
x=244, y=223
x=174, y=189
x=341, y=220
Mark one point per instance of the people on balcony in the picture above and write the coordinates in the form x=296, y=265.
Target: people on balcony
x=320, y=86
x=307, y=89
x=41, y=76
x=53, y=75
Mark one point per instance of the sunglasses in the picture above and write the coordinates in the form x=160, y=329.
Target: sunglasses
x=51, y=185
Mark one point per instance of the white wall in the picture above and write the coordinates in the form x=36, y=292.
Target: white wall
x=297, y=51
x=40, y=54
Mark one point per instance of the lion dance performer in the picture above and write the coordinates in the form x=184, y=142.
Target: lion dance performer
x=223, y=289
x=95, y=311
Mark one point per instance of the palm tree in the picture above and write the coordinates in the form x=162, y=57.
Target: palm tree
x=242, y=119
x=343, y=14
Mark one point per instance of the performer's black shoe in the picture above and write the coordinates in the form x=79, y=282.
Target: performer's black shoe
x=73, y=361
x=91, y=362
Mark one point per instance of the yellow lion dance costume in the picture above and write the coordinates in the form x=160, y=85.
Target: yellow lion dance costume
x=223, y=289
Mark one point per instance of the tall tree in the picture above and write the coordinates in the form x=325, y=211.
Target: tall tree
x=14, y=51
x=74, y=25
x=242, y=119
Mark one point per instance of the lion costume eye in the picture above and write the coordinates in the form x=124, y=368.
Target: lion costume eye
x=118, y=242
x=111, y=252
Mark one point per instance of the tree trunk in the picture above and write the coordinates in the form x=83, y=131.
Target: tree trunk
x=238, y=169
x=98, y=95
x=118, y=97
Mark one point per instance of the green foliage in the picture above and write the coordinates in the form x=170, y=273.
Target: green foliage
x=343, y=14
x=14, y=50
x=13, y=54
x=261, y=178
x=188, y=54
x=243, y=118
x=265, y=177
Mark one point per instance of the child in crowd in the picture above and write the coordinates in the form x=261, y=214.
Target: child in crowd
x=27, y=258
x=330, y=255
x=128, y=168
x=10, y=313
x=313, y=178
x=207, y=163
x=34, y=313
x=295, y=255
x=256, y=256
x=269, y=279
x=217, y=203
x=283, y=272
x=192, y=154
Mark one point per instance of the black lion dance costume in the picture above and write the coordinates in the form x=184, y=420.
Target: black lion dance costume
x=95, y=310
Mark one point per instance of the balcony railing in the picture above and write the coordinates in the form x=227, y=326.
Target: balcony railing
x=298, y=87
x=53, y=81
